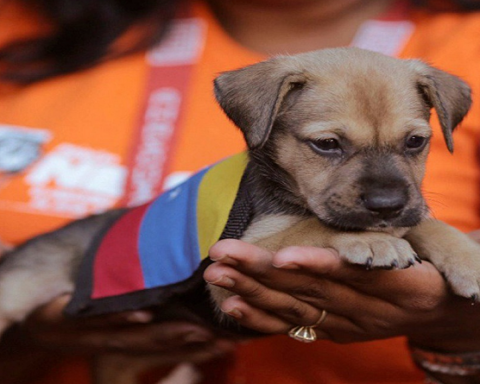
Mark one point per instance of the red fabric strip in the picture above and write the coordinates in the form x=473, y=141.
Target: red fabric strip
x=117, y=268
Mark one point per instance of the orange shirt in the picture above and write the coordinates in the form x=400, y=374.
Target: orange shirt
x=84, y=125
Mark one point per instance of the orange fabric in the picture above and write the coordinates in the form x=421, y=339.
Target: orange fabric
x=96, y=111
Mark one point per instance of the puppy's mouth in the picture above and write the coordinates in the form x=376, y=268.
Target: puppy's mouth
x=363, y=220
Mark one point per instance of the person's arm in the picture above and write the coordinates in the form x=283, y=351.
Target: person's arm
x=275, y=292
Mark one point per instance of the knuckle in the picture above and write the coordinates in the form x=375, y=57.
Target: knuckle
x=308, y=292
x=253, y=290
x=298, y=313
x=382, y=327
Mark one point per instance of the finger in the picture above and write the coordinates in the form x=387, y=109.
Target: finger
x=49, y=327
x=133, y=339
x=52, y=314
x=249, y=260
x=320, y=261
x=242, y=255
x=302, y=301
x=282, y=304
x=254, y=318
x=400, y=284
x=334, y=327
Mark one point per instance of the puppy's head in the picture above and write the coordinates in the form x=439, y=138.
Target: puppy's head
x=347, y=129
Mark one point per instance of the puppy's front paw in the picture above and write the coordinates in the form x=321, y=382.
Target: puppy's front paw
x=463, y=273
x=375, y=250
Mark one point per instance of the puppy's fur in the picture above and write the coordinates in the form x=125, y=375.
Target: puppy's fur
x=338, y=141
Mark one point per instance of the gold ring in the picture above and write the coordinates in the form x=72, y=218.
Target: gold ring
x=307, y=334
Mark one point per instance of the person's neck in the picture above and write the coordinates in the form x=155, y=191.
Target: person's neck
x=290, y=28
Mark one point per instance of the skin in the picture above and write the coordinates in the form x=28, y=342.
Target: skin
x=275, y=292
x=47, y=334
x=293, y=26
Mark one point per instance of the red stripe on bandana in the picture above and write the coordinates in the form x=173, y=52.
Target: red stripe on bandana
x=123, y=272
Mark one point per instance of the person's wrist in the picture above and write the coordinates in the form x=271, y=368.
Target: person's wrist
x=447, y=367
x=444, y=343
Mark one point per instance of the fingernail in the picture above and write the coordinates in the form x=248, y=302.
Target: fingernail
x=140, y=317
x=286, y=266
x=235, y=313
x=223, y=281
x=224, y=259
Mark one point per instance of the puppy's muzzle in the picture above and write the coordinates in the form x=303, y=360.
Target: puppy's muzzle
x=385, y=204
x=374, y=204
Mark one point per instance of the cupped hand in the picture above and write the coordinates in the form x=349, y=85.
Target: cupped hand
x=274, y=292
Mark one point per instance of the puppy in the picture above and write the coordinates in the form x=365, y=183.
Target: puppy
x=338, y=141
x=337, y=144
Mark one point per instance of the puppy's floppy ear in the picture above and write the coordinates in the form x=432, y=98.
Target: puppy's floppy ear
x=251, y=97
x=448, y=94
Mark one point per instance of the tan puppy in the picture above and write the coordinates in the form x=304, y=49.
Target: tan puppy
x=338, y=141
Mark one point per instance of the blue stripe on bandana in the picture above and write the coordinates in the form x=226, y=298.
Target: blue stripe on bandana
x=168, y=240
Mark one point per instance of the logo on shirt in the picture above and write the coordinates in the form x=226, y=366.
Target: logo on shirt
x=75, y=181
x=20, y=147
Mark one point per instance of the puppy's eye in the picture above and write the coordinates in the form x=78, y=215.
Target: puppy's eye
x=415, y=143
x=325, y=146
x=296, y=85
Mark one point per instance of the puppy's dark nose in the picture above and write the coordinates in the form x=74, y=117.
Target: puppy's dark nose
x=386, y=203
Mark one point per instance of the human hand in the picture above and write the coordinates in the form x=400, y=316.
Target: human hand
x=26, y=350
x=129, y=332
x=275, y=292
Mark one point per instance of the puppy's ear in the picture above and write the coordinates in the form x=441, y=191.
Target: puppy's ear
x=251, y=97
x=448, y=94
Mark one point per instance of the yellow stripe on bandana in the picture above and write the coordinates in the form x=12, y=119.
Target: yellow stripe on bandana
x=216, y=196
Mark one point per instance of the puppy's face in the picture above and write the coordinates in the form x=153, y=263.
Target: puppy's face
x=348, y=128
x=355, y=148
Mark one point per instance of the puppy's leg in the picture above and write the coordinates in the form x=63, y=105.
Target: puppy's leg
x=452, y=252
x=372, y=249
x=44, y=268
